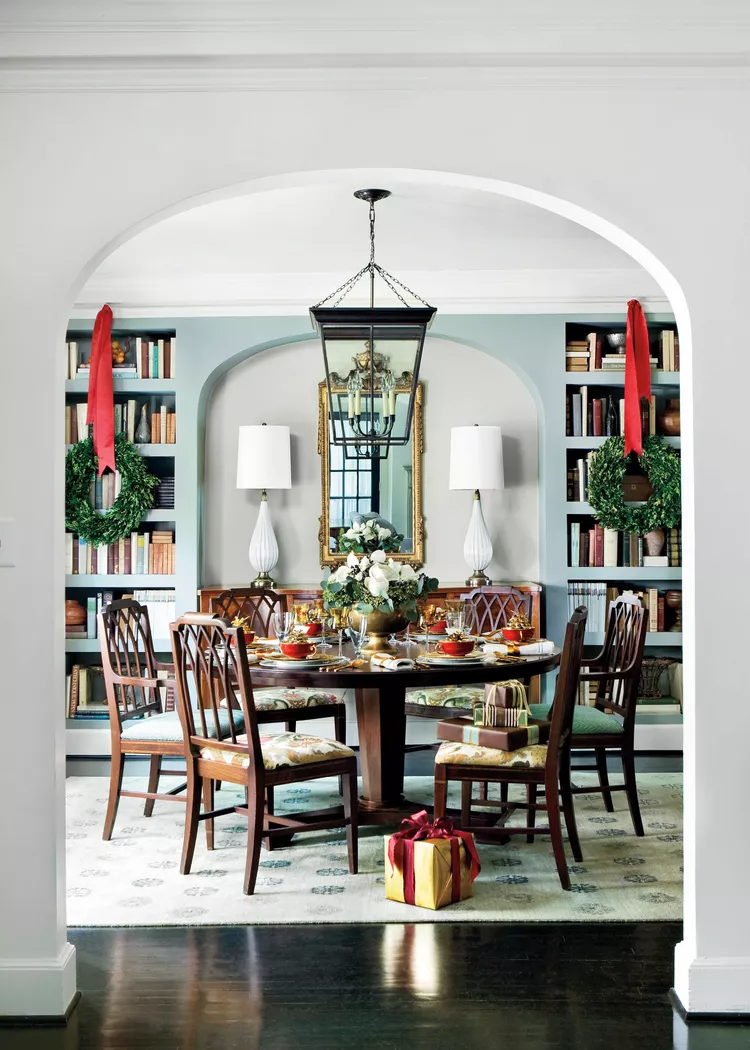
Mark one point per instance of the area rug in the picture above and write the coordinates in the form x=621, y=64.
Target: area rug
x=134, y=879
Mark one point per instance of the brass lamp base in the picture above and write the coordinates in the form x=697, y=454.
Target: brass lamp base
x=478, y=579
x=263, y=580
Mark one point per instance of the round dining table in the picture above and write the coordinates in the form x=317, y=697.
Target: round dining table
x=380, y=696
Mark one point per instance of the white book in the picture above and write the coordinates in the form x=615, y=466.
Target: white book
x=118, y=484
x=72, y=360
x=622, y=415
x=163, y=422
x=81, y=413
x=138, y=362
x=610, y=548
x=68, y=553
x=132, y=413
x=659, y=561
x=584, y=411
x=134, y=552
x=146, y=537
x=575, y=542
x=653, y=609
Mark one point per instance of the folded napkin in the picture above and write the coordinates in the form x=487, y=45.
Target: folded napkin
x=391, y=663
x=540, y=648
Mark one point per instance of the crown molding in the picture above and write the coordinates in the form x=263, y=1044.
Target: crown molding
x=334, y=72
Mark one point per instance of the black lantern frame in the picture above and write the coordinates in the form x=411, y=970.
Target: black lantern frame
x=362, y=403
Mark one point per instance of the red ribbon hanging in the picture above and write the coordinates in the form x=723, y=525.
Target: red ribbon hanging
x=637, y=376
x=419, y=826
x=101, y=409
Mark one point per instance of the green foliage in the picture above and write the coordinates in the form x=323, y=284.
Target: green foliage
x=660, y=463
x=136, y=494
x=363, y=544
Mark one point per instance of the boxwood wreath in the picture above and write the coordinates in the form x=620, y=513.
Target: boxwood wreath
x=660, y=464
x=136, y=494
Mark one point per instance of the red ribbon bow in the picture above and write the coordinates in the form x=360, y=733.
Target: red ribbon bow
x=637, y=376
x=101, y=410
x=419, y=826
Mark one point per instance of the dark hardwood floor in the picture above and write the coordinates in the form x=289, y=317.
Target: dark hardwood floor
x=568, y=987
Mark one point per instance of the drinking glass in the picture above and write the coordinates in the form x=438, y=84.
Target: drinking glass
x=283, y=622
x=339, y=620
x=455, y=620
x=358, y=635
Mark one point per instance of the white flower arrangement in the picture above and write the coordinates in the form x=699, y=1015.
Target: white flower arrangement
x=367, y=536
x=375, y=581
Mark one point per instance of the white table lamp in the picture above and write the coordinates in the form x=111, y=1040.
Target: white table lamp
x=264, y=462
x=476, y=462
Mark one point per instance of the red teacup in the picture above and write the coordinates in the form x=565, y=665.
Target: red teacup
x=297, y=650
x=439, y=627
x=456, y=648
x=517, y=634
x=314, y=629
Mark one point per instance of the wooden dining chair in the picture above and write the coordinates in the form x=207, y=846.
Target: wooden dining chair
x=139, y=726
x=211, y=662
x=280, y=703
x=610, y=724
x=487, y=609
x=542, y=765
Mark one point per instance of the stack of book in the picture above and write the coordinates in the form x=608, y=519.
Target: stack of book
x=674, y=546
x=134, y=555
x=597, y=597
x=160, y=416
x=669, y=351
x=164, y=497
x=577, y=356
x=85, y=694
x=586, y=355
x=595, y=414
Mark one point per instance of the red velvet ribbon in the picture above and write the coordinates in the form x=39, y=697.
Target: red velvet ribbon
x=637, y=376
x=419, y=826
x=101, y=408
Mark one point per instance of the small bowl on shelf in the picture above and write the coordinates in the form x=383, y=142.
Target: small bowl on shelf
x=517, y=634
x=617, y=341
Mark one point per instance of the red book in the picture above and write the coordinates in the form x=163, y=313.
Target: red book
x=145, y=371
x=676, y=353
x=127, y=570
x=111, y=559
x=583, y=558
x=75, y=555
x=598, y=417
x=592, y=548
x=660, y=614
x=598, y=354
x=167, y=359
x=599, y=541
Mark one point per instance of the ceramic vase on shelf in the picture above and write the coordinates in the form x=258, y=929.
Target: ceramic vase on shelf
x=75, y=614
x=654, y=542
x=668, y=421
x=379, y=626
x=673, y=600
x=143, y=430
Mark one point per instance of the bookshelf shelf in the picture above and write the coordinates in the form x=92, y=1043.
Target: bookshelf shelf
x=156, y=449
x=121, y=582
x=597, y=442
x=607, y=378
x=617, y=573
x=653, y=638
x=126, y=386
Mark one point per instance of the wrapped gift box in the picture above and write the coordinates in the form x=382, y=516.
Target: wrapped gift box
x=429, y=872
x=511, y=694
x=504, y=738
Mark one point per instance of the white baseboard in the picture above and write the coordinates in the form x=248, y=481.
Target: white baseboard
x=38, y=987
x=719, y=985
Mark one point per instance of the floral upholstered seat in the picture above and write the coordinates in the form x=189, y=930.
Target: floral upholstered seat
x=283, y=749
x=281, y=699
x=586, y=720
x=466, y=697
x=456, y=753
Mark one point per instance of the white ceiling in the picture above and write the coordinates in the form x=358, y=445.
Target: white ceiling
x=286, y=248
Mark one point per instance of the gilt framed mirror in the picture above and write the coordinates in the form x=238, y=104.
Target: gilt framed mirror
x=389, y=488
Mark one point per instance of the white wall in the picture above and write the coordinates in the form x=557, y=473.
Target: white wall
x=462, y=386
x=92, y=152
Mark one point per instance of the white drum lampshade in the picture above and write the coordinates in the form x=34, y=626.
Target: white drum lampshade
x=264, y=462
x=476, y=462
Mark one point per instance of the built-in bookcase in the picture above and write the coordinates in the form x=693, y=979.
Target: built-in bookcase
x=146, y=396
x=599, y=564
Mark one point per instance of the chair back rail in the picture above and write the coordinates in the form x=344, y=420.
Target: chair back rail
x=210, y=661
x=566, y=687
x=490, y=608
x=616, y=670
x=256, y=604
x=128, y=661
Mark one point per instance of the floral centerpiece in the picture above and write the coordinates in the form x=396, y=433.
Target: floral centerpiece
x=366, y=537
x=380, y=588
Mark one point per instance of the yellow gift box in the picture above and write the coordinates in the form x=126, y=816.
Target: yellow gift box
x=433, y=874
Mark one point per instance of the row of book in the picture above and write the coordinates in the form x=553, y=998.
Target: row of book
x=85, y=692
x=588, y=355
x=141, y=553
x=597, y=597
x=161, y=612
x=144, y=358
x=587, y=415
x=578, y=478
x=145, y=423
x=597, y=547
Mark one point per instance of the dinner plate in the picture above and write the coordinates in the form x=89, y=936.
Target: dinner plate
x=289, y=663
x=443, y=660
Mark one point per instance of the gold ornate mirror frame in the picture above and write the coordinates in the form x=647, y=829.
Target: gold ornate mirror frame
x=415, y=557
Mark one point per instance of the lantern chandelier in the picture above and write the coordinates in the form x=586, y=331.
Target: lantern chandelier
x=372, y=357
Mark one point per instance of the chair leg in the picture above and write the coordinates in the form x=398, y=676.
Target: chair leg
x=601, y=769
x=208, y=805
x=466, y=786
x=194, y=791
x=339, y=726
x=115, y=785
x=504, y=791
x=153, y=783
x=269, y=809
x=351, y=814
x=440, y=793
x=531, y=799
x=555, y=829
x=256, y=800
x=291, y=727
x=569, y=810
x=631, y=790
